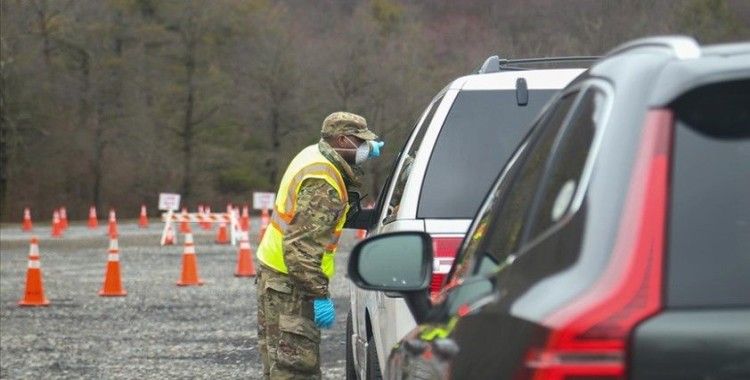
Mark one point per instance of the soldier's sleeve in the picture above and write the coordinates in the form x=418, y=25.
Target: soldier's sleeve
x=318, y=210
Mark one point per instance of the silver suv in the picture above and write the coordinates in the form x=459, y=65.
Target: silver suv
x=458, y=147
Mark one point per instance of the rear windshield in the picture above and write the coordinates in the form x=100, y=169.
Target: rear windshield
x=709, y=230
x=480, y=133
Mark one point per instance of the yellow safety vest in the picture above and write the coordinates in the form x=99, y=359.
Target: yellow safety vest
x=309, y=163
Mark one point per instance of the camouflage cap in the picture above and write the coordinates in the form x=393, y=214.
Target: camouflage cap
x=345, y=123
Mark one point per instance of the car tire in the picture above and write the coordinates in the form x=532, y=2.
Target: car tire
x=351, y=372
x=373, y=366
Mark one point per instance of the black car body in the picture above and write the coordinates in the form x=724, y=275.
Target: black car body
x=616, y=243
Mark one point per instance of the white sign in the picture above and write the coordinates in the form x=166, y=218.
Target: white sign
x=263, y=201
x=169, y=201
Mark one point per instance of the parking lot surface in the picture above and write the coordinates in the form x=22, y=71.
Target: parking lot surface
x=159, y=330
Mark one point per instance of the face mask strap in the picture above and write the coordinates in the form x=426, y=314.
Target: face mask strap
x=351, y=142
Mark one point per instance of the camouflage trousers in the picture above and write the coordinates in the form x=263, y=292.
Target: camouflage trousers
x=288, y=339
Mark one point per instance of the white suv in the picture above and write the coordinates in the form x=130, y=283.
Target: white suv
x=457, y=148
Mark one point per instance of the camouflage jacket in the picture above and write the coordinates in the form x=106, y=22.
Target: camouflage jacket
x=318, y=209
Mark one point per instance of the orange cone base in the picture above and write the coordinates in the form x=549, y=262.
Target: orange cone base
x=199, y=283
x=121, y=293
x=27, y=303
x=34, y=293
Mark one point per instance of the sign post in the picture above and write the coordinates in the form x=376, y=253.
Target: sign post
x=168, y=202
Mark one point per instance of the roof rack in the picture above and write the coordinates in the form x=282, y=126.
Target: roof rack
x=495, y=64
x=683, y=47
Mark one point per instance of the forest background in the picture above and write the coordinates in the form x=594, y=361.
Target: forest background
x=109, y=102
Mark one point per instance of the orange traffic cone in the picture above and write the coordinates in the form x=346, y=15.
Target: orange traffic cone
x=189, y=264
x=56, y=225
x=143, y=221
x=112, y=231
x=63, y=218
x=184, y=225
x=209, y=220
x=202, y=217
x=112, y=286
x=27, y=224
x=34, y=294
x=245, y=266
x=93, y=222
x=222, y=236
x=245, y=219
x=169, y=238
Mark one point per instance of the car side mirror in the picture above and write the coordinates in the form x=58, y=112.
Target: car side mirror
x=396, y=262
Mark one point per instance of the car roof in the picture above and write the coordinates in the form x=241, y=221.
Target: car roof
x=666, y=67
x=718, y=63
x=546, y=79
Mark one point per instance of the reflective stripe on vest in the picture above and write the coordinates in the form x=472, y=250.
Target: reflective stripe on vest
x=309, y=163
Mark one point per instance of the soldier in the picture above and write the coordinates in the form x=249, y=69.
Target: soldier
x=297, y=250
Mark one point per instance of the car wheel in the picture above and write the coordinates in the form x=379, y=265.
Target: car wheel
x=373, y=366
x=351, y=372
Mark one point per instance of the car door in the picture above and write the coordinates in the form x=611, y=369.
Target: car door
x=369, y=304
x=483, y=335
x=539, y=230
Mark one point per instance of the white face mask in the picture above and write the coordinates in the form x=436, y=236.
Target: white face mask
x=362, y=151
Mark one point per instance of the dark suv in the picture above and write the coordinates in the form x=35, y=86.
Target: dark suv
x=616, y=242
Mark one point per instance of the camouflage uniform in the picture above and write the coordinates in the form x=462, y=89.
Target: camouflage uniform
x=288, y=338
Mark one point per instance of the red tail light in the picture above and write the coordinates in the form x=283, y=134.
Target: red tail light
x=445, y=249
x=589, y=336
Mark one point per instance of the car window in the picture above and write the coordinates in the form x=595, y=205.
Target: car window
x=478, y=229
x=562, y=177
x=403, y=175
x=478, y=137
x=505, y=232
x=502, y=208
x=708, y=247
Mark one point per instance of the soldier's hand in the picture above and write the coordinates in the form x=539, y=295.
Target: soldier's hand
x=325, y=312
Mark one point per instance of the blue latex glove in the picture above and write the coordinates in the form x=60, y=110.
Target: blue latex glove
x=325, y=312
x=375, y=148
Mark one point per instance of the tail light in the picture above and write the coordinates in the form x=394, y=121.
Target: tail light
x=445, y=249
x=589, y=336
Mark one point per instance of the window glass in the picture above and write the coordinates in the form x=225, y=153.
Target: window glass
x=505, y=231
x=708, y=258
x=480, y=133
x=563, y=175
x=403, y=175
x=489, y=236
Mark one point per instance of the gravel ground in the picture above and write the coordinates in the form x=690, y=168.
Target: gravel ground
x=158, y=330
